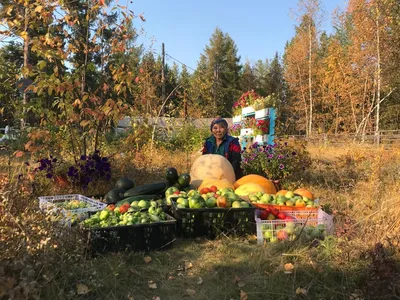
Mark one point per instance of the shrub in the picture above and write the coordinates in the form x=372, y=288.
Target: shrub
x=276, y=162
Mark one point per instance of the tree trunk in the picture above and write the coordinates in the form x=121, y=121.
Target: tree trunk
x=378, y=79
x=309, y=78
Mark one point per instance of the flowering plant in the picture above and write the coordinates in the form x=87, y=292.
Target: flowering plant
x=88, y=169
x=277, y=161
x=246, y=99
x=235, y=129
x=261, y=127
x=263, y=102
x=250, y=123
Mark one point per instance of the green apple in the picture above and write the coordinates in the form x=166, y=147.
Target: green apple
x=289, y=194
x=183, y=201
x=236, y=204
x=289, y=203
x=232, y=196
x=273, y=240
x=305, y=199
x=211, y=202
x=253, y=198
x=244, y=204
x=266, y=198
x=226, y=190
x=268, y=234
x=193, y=192
x=259, y=194
x=204, y=196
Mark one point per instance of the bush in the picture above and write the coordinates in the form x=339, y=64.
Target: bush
x=276, y=162
x=188, y=138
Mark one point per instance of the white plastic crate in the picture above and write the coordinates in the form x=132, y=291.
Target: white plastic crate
x=262, y=113
x=236, y=119
x=306, y=224
x=50, y=204
x=249, y=110
x=261, y=138
x=246, y=131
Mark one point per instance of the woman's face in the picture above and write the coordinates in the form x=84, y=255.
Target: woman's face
x=219, y=131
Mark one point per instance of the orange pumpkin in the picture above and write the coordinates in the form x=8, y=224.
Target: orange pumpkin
x=268, y=186
x=281, y=192
x=304, y=193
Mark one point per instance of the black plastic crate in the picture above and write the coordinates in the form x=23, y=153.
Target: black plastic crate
x=139, y=237
x=212, y=222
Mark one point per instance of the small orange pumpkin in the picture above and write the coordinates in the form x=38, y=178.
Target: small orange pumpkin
x=268, y=186
x=304, y=193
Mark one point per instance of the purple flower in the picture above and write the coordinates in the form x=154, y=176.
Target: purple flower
x=280, y=156
x=285, y=143
x=293, y=153
x=270, y=156
x=281, y=166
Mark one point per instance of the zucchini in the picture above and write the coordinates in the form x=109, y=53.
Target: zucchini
x=147, y=189
x=142, y=197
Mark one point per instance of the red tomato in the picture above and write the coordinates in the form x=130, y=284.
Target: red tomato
x=281, y=215
x=263, y=214
x=213, y=189
x=204, y=190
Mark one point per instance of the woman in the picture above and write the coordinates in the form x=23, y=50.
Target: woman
x=223, y=144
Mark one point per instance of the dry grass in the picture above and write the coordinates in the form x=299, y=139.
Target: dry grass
x=360, y=185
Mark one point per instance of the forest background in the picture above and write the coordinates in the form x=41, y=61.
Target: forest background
x=78, y=65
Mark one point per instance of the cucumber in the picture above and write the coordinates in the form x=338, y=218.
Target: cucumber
x=142, y=197
x=147, y=189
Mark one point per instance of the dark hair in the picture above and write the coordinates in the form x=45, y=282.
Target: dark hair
x=218, y=120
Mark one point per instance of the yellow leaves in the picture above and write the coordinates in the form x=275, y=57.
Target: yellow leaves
x=301, y=291
x=147, y=259
x=152, y=285
x=38, y=9
x=84, y=123
x=24, y=35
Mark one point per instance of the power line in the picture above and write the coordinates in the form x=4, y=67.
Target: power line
x=180, y=62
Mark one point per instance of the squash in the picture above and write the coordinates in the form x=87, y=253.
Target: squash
x=281, y=192
x=268, y=186
x=211, y=166
x=219, y=183
x=249, y=188
x=304, y=193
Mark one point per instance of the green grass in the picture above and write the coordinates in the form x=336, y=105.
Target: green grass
x=361, y=260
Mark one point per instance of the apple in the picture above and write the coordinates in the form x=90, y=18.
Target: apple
x=289, y=203
x=281, y=215
x=223, y=201
x=236, y=204
x=204, y=190
x=289, y=194
x=300, y=203
x=244, y=204
x=211, y=202
x=273, y=239
x=260, y=194
x=268, y=234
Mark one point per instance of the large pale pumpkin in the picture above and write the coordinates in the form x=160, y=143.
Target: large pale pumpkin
x=219, y=183
x=268, y=186
x=211, y=166
x=249, y=188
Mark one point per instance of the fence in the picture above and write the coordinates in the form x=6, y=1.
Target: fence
x=385, y=138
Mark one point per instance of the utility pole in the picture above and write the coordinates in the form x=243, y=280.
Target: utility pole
x=163, y=74
x=185, y=105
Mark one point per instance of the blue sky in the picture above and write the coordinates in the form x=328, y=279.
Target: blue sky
x=258, y=27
